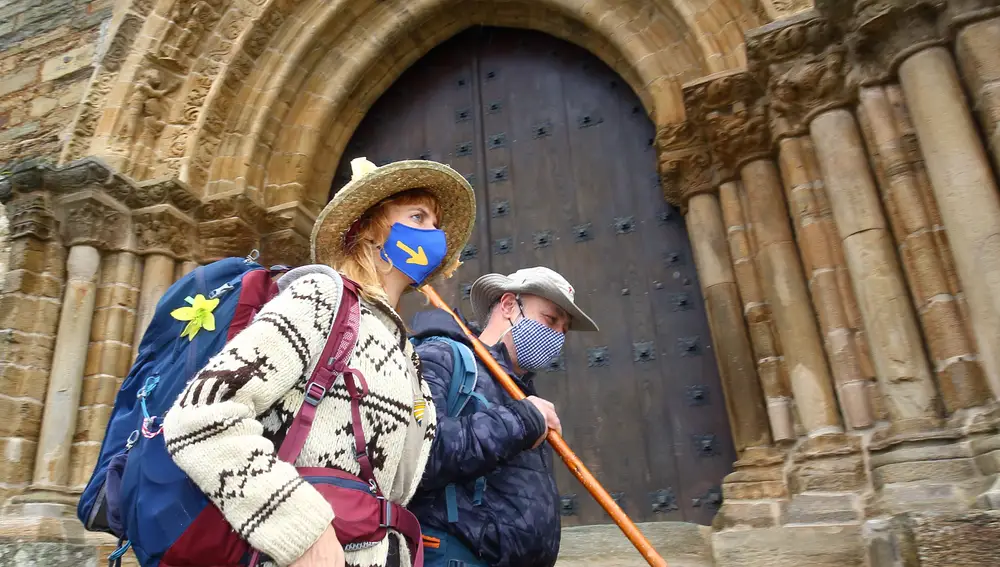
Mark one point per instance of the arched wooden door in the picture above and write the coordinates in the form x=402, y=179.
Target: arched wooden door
x=560, y=153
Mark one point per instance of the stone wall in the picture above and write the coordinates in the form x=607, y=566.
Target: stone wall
x=47, y=53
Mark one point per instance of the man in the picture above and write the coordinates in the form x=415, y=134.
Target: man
x=488, y=495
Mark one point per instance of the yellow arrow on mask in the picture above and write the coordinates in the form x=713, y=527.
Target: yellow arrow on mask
x=418, y=257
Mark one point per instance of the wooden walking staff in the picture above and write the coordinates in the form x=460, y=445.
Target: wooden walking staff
x=558, y=443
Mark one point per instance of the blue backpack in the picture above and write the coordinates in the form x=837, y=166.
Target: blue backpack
x=464, y=375
x=133, y=457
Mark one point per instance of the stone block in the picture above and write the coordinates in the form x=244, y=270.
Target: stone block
x=946, y=470
x=29, y=314
x=822, y=508
x=40, y=106
x=900, y=498
x=754, y=490
x=22, y=417
x=124, y=296
x=108, y=358
x=91, y=422
x=791, y=546
x=747, y=514
x=831, y=474
x=681, y=544
x=32, y=283
x=970, y=539
x=68, y=62
x=18, y=460
x=23, y=381
x=18, y=80
x=83, y=457
x=26, y=350
x=99, y=389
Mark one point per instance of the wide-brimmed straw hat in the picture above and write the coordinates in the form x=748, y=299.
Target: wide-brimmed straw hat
x=539, y=281
x=371, y=184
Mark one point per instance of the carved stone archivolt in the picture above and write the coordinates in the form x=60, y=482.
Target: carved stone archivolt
x=732, y=112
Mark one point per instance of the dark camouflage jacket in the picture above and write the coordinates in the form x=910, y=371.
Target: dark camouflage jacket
x=517, y=523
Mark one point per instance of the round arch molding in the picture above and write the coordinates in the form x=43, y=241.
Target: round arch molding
x=258, y=98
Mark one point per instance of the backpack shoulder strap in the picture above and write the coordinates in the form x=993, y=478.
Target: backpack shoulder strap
x=333, y=362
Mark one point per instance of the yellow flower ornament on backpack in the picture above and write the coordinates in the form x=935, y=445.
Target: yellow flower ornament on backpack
x=198, y=315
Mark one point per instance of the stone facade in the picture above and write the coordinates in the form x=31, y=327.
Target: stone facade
x=836, y=164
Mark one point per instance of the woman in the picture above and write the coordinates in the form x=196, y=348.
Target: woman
x=381, y=231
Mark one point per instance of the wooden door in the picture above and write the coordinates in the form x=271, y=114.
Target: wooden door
x=561, y=156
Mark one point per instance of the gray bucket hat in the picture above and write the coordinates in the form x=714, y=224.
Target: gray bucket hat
x=539, y=281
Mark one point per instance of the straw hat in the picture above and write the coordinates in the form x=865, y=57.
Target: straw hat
x=540, y=281
x=371, y=184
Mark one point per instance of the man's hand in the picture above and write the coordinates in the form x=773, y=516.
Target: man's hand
x=551, y=419
x=326, y=552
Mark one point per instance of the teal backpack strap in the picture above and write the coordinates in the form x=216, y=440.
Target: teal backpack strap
x=464, y=375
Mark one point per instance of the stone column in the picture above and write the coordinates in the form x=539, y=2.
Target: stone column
x=959, y=375
x=163, y=233
x=108, y=359
x=763, y=337
x=821, y=255
x=977, y=47
x=689, y=178
x=65, y=380
x=965, y=189
x=157, y=276
x=29, y=317
x=183, y=269
x=731, y=109
x=785, y=288
x=744, y=400
x=894, y=337
x=903, y=37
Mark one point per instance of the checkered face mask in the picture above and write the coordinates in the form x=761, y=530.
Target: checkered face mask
x=534, y=343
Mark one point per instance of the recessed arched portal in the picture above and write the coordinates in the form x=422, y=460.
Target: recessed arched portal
x=560, y=152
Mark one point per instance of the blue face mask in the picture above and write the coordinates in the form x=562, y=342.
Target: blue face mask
x=416, y=252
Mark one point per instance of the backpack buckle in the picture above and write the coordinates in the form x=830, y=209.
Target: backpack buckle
x=314, y=394
x=385, y=512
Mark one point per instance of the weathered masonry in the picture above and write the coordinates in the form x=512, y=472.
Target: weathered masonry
x=784, y=215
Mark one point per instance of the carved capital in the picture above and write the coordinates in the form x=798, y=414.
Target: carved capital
x=787, y=39
x=286, y=246
x=806, y=87
x=685, y=163
x=163, y=229
x=93, y=218
x=31, y=215
x=883, y=33
x=229, y=225
x=732, y=112
x=290, y=226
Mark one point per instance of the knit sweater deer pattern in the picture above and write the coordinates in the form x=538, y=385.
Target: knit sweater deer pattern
x=224, y=429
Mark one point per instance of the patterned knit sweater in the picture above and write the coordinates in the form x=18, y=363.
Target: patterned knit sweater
x=224, y=429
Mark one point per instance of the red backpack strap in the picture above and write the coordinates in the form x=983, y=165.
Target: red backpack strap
x=256, y=289
x=333, y=362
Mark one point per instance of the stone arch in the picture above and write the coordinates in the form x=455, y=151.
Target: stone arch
x=317, y=95
x=272, y=84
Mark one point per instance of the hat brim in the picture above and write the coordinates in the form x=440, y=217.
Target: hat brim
x=455, y=197
x=489, y=288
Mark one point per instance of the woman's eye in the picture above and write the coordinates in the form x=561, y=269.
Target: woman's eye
x=418, y=218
